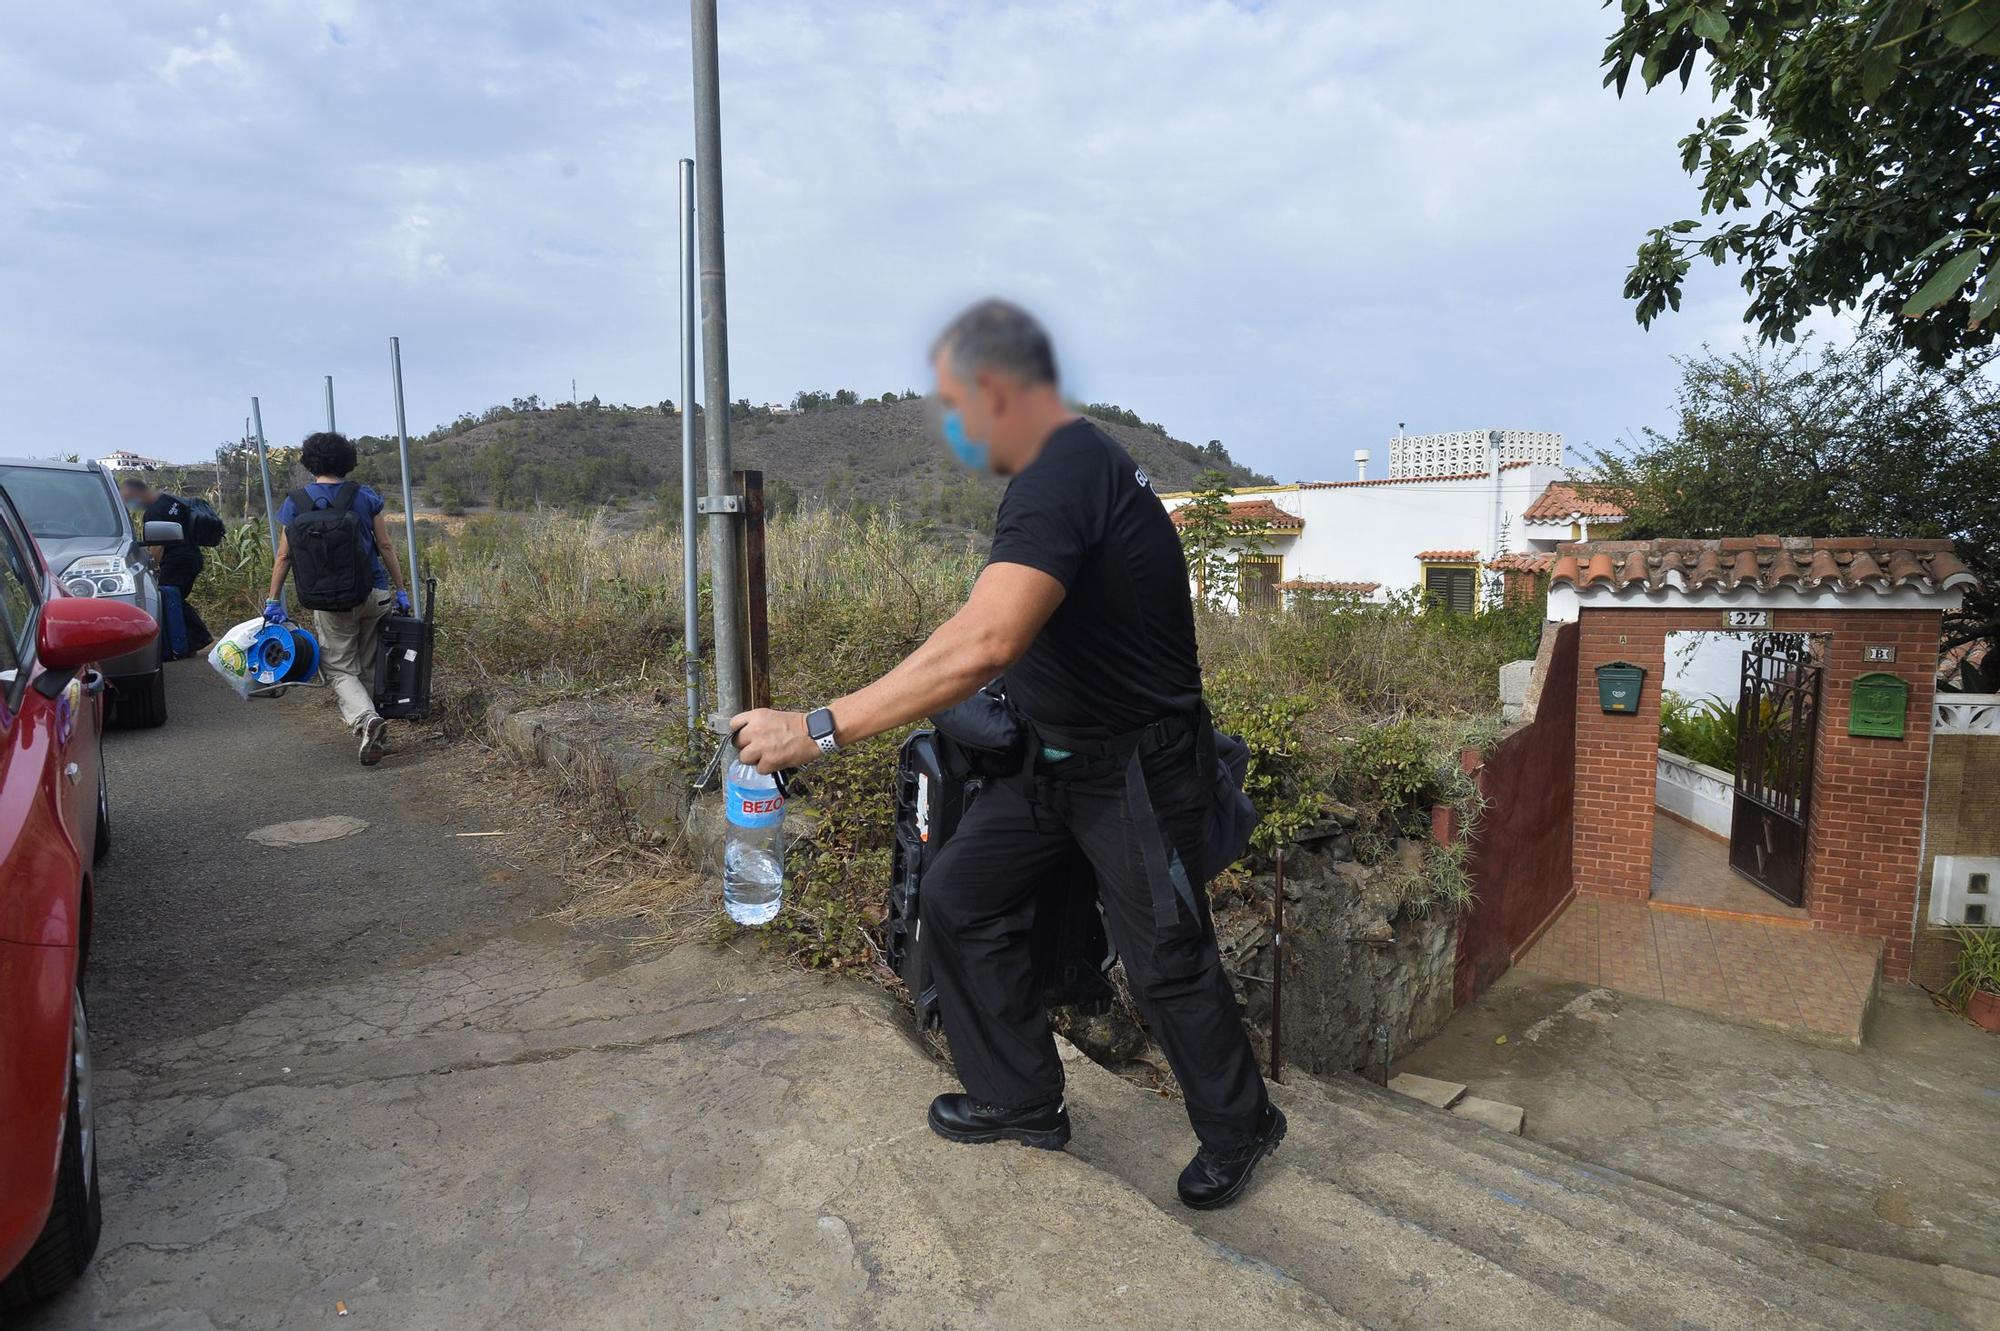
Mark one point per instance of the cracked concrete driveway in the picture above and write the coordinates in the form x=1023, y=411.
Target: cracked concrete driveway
x=362, y=1072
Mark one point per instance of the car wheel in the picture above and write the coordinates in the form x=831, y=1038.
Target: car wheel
x=146, y=709
x=77, y=1214
x=102, y=845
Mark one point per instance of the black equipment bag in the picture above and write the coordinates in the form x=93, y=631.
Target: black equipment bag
x=403, y=661
x=204, y=524
x=935, y=784
x=333, y=565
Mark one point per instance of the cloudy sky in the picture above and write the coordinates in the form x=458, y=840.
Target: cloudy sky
x=1288, y=225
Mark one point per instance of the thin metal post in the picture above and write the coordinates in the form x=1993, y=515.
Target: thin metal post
x=403, y=448
x=722, y=531
x=757, y=613
x=329, y=404
x=690, y=570
x=1277, y=964
x=264, y=467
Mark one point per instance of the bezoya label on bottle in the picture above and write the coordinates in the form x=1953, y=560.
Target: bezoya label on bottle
x=753, y=806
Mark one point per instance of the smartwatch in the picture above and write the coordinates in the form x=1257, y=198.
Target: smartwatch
x=819, y=724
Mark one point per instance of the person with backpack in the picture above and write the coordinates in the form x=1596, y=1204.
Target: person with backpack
x=1084, y=612
x=181, y=563
x=334, y=541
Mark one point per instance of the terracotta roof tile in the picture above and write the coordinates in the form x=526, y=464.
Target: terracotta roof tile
x=1564, y=500
x=1441, y=556
x=1394, y=480
x=1523, y=561
x=1253, y=510
x=1318, y=585
x=1764, y=563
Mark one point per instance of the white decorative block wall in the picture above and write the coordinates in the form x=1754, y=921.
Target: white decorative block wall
x=1702, y=795
x=1462, y=452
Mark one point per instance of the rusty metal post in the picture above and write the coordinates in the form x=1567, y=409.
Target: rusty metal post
x=1277, y=963
x=756, y=602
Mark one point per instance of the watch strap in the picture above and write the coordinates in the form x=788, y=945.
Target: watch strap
x=819, y=725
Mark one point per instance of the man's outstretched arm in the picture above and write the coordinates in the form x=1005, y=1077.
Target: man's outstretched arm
x=1007, y=608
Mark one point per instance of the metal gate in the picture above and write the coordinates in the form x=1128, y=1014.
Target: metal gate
x=1777, y=715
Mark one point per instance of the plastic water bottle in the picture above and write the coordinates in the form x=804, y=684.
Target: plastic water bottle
x=753, y=861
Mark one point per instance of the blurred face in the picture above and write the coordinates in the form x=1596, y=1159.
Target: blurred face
x=136, y=493
x=981, y=416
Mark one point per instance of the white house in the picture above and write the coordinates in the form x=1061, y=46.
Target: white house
x=125, y=459
x=1440, y=531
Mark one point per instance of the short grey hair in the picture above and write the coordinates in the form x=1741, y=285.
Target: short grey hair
x=998, y=335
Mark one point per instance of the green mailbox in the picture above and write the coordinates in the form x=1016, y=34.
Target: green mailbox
x=1877, y=709
x=1619, y=684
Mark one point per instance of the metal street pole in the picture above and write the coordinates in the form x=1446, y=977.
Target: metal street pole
x=329, y=404
x=402, y=448
x=264, y=466
x=724, y=559
x=690, y=570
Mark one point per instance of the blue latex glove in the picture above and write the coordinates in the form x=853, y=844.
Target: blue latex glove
x=274, y=612
x=402, y=603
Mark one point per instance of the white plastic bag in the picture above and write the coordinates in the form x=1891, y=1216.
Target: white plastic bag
x=231, y=655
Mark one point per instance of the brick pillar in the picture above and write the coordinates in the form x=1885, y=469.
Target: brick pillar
x=1865, y=839
x=1616, y=755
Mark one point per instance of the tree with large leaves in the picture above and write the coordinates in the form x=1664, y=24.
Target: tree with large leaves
x=1855, y=164
x=1809, y=441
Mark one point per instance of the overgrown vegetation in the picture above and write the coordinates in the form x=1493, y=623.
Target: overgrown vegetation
x=1352, y=713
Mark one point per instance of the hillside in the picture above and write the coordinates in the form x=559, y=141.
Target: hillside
x=866, y=455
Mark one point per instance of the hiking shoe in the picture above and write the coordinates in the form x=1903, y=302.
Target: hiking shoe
x=1217, y=1178
x=374, y=740
x=959, y=1118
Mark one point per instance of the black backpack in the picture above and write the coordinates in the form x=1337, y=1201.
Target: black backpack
x=333, y=565
x=203, y=526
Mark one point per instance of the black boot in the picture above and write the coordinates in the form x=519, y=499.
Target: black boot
x=1217, y=1178
x=957, y=1118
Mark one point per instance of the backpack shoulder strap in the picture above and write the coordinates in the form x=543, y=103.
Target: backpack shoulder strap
x=301, y=501
x=344, y=497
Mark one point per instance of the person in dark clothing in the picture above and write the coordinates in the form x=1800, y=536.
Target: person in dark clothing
x=179, y=564
x=1083, y=608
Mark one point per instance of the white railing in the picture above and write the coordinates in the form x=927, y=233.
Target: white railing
x=1701, y=794
x=1967, y=714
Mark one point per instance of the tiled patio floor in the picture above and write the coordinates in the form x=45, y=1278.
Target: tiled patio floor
x=1743, y=969
x=1691, y=868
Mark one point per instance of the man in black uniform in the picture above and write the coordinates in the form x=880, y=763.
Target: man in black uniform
x=1083, y=606
x=178, y=564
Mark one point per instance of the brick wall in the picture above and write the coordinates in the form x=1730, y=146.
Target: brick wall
x=1866, y=833
x=1965, y=793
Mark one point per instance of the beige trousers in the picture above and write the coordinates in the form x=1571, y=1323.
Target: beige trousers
x=347, y=654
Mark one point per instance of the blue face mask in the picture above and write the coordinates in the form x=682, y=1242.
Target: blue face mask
x=971, y=452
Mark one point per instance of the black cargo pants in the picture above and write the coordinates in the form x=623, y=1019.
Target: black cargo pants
x=978, y=910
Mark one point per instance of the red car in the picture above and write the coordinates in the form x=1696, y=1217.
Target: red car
x=53, y=829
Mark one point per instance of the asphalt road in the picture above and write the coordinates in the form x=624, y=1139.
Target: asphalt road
x=196, y=926
x=364, y=1083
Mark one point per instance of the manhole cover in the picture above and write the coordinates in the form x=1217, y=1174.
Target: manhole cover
x=308, y=831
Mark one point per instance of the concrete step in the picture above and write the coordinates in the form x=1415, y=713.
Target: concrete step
x=1685, y=1235
x=1400, y=1215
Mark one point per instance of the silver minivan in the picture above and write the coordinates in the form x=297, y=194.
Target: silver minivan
x=87, y=539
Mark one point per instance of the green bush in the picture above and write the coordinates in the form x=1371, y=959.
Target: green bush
x=1702, y=730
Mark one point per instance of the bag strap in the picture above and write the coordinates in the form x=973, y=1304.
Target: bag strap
x=343, y=498
x=1166, y=876
x=301, y=501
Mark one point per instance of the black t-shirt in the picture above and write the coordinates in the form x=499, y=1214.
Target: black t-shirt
x=181, y=561
x=1119, y=652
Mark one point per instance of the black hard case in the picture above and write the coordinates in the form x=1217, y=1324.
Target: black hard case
x=403, y=661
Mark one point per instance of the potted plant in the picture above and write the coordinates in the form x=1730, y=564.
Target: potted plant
x=1975, y=986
